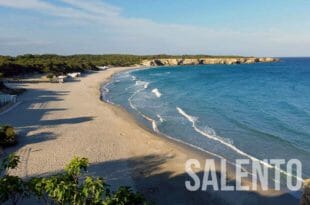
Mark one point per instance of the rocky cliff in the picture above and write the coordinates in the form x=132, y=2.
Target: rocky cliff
x=205, y=61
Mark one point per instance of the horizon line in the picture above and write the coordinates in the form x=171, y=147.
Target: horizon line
x=158, y=54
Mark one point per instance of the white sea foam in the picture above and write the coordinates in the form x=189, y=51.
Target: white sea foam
x=161, y=119
x=154, y=126
x=156, y=92
x=152, y=121
x=193, y=120
x=123, y=75
x=155, y=129
x=105, y=89
x=138, y=82
x=142, y=83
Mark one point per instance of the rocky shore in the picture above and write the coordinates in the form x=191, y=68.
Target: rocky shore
x=206, y=61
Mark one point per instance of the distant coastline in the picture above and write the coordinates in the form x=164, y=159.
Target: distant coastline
x=207, y=61
x=52, y=64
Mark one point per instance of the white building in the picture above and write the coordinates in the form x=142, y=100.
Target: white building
x=74, y=75
x=103, y=67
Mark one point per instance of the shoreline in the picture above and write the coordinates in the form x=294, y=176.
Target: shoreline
x=72, y=119
x=190, y=147
x=187, y=146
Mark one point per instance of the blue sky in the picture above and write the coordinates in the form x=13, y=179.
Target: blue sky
x=218, y=27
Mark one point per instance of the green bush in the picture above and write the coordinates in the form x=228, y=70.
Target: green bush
x=124, y=195
x=69, y=187
x=50, y=76
x=12, y=188
x=7, y=135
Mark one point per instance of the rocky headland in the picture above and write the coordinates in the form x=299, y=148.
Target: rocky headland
x=206, y=61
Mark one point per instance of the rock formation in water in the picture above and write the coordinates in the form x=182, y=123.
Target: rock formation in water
x=206, y=61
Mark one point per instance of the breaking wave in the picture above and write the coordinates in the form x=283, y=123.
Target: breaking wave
x=193, y=120
x=156, y=92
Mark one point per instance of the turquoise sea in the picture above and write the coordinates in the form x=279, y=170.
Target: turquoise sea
x=256, y=111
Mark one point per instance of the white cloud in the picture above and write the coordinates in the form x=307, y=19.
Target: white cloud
x=146, y=36
x=25, y=4
x=95, y=7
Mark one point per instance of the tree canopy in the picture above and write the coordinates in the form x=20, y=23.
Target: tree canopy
x=56, y=64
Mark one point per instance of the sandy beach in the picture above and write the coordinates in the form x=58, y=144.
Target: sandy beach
x=58, y=121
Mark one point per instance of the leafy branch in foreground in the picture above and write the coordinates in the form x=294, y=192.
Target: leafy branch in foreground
x=11, y=187
x=69, y=187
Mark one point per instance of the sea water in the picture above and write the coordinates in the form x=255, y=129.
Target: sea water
x=249, y=111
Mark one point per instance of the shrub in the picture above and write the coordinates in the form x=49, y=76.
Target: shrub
x=11, y=187
x=9, y=162
x=7, y=135
x=50, y=76
x=69, y=187
x=124, y=195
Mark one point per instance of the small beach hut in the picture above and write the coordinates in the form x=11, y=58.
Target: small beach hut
x=103, y=67
x=74, y=75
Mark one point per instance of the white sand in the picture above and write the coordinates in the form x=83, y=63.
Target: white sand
x=59, y=121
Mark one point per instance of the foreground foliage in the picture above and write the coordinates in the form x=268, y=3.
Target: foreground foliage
x=70, y=187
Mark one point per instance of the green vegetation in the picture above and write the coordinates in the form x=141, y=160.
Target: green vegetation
x=13, y=66
x=10, y=91
x=57, y=65
x=50, y=76
x=7, y=135
x=11, y=187
x=7, y=90
x=70, y=187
